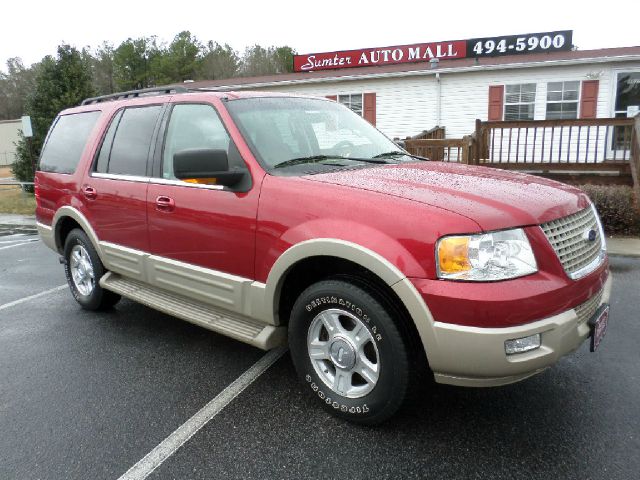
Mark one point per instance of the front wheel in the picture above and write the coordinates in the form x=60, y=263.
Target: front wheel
x=84, y=269
x=348, y=351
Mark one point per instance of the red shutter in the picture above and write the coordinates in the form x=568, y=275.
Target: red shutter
x=496, y=103
x=589, y=99
x=369, y=107
x=333, y=97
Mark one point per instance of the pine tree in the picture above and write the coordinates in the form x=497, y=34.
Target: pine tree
x=61, y=82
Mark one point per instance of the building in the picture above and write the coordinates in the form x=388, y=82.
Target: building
x=407, y=89
x=9, y=135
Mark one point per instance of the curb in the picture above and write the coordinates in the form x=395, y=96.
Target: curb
x=623, y=246
x=9, y=219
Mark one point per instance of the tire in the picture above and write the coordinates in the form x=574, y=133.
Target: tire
x=83, y=270
x=348, y=351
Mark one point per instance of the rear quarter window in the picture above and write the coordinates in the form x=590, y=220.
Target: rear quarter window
x=66, y=142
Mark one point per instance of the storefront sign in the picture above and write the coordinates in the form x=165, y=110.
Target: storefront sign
x=423, y=52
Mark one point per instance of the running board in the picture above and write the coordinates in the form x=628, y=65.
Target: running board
x=226, y=323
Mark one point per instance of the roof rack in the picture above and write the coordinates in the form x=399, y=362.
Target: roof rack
x=134, y=94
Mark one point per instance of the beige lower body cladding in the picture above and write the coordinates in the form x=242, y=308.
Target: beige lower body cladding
x=475, y=357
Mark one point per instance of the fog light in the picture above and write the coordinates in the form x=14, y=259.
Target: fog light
x=521, y=345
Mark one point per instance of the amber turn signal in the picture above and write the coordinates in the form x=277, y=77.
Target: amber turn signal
x=453, y=255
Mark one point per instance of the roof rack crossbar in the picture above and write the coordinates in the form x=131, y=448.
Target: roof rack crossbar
x=134, y=93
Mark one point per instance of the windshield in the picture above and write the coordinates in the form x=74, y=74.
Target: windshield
x=306, y=135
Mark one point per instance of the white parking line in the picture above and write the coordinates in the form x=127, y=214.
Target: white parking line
x=179, y=437
x=18, y=244
x=33, y=297
x=18, y=237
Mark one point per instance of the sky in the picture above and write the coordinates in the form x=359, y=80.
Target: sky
x=32, y=29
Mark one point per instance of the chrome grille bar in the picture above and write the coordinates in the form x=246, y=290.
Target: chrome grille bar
x=578, y=250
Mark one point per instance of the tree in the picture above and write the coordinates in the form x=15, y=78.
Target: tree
x=219, y=61
x=180, y=61
x=103, y=69
x=258, y=60
x=132, y=63
x=60, y=83
x=15, y=85
x=283, y=59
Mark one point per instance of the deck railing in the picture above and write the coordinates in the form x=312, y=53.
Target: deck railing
x=605, y=147
x=444, y=150
x=582, y=141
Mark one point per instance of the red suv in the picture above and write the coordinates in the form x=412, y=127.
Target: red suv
x=277, y=218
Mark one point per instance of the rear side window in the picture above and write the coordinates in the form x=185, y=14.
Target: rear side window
x=66, y=142
x=125, y=149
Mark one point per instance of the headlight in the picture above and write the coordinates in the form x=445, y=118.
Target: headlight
x=486, y=256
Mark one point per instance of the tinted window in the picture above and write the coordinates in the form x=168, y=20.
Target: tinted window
x=105, y=150
x=192, y=126
x=132, y=141
x=67, y=140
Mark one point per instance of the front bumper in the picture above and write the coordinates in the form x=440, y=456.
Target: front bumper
x=475, y=356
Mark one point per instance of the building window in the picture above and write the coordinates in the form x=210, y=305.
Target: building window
x=519, y=101
x=627, y=101
x=353, y=101
x=562, y=100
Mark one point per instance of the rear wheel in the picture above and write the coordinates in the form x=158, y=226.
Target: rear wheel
x=348, y=351
x=84, y=269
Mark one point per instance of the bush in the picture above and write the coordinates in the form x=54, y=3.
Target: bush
x=617, y=208
x=22, y=168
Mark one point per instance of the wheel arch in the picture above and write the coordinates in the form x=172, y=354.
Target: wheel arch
x=66, y=219
x=389, y=277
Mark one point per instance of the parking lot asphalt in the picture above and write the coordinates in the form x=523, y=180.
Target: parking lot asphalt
x=87, y=395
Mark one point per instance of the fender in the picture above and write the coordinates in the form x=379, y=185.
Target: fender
x=74, y=213
x=360, y=255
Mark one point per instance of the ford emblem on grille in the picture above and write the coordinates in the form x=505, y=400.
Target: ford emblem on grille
x=589, y=235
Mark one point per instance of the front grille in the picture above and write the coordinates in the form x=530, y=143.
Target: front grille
x=568, y=238
x=585, y=310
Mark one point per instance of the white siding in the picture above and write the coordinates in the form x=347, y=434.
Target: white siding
x=403, y=106
x=9, y=130
x=407, y=105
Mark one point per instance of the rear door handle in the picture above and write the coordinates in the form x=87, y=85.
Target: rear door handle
x=165, y=204
x=90, y=192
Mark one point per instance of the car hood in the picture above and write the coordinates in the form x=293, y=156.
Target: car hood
x=493, y=198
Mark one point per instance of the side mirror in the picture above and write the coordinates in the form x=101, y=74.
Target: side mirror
x=205, y=163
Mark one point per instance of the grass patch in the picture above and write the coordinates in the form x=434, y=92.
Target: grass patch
x=14, y=200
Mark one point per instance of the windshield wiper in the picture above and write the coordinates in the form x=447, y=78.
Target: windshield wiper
x=318, y=158
x=394, y=153
x=309, y=159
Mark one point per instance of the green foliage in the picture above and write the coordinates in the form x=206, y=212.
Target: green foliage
x=617, y=208
x=22, y=168
x=134, y=63
x=219, y=61
x=259, y=61
x=14, y=88
x=102, y=69
x=283, y=59
x=61, y=82
x=180, y=61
